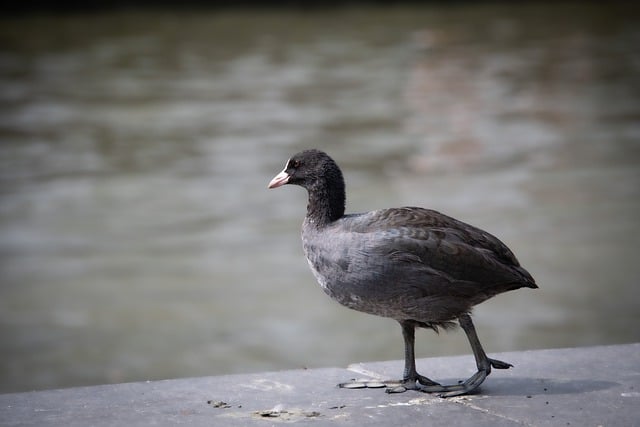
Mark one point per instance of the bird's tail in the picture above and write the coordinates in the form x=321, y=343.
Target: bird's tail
x=527, y=280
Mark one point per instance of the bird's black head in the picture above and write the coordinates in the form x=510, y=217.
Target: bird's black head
x=315, y=171
x=307, y=169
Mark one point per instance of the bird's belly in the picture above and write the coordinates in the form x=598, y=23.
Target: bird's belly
x=361, y=295
x=391, y=294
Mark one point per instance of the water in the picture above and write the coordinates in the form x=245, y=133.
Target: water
x=137, y=237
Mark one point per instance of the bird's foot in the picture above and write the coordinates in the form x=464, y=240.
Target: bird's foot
x=464, y=387
x=426, y=385
x=443, y=390
x=414, y=384
x=398, y=385
x=471, y=384
x=417, y=382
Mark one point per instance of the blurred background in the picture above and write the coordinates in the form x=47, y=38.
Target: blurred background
x=138, y=240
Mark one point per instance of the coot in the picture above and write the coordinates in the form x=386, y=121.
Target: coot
x=417, y=266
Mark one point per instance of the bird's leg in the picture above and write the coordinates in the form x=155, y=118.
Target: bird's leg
x=411, y=379
x=483, y=363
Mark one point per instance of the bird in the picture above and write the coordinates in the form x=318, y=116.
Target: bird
x=417, y=266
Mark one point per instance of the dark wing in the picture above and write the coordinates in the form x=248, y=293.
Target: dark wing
x=423, y=238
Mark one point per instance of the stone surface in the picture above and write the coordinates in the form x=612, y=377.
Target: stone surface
x=582, y=386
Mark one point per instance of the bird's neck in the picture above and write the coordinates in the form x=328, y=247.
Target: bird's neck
x=326, y=203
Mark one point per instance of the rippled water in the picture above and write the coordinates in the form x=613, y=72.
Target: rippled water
x=138, y=239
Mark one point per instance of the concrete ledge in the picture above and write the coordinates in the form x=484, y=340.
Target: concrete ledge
x=582, y=386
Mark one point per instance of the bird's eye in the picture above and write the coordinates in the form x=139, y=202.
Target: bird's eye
x=295, y=164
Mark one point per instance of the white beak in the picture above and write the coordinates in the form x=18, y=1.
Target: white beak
x=281, y=179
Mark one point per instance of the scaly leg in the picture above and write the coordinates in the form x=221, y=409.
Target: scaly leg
x=483, y=362
x=412, y=380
